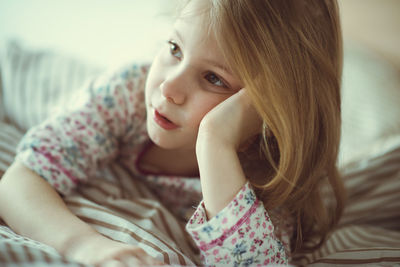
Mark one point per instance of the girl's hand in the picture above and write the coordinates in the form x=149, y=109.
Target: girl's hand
x=231, y=123
x=100, y=251
x=223, y=130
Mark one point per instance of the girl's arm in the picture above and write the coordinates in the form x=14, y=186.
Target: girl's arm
x=221, y=175
x=32, y=208
x=221, y=133
x=63, y=151
x=231, y=226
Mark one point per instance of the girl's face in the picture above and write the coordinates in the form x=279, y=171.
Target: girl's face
x=186, y=80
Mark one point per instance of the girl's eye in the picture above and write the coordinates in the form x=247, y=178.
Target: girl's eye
x=215, y=80
x=175, y=50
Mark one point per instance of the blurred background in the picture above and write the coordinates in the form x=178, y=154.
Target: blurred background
x=105, y=33
x=374, y=24
x=109, y=31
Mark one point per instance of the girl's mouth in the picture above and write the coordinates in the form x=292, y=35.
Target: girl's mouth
x=163, y=122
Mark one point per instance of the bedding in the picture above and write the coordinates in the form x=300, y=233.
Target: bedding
x=41, y=82
x=124, y=209
x=116, y=205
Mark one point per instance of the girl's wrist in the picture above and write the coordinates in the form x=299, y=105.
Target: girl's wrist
x=209, y=148
x=206, y=140
x=75, y=244
x=221, y=174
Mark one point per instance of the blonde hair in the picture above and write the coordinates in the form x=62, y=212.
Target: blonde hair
x=288, y=54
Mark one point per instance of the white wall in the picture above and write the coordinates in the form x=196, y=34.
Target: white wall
x=104, y=32
x=109, y=31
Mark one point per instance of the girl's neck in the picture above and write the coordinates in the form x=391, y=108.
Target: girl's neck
x=157, y=160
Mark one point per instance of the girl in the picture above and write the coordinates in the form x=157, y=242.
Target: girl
x=244, y=95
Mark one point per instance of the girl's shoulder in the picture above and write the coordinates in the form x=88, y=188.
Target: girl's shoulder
x=130, y=72
x=112, y=88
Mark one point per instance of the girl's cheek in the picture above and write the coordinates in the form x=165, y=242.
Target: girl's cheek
x=164, y=57
x=205, y=105
x=158, y=70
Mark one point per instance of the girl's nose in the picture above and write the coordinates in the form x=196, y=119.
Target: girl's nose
x=172, y=88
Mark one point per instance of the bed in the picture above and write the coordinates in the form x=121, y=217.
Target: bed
x=36, y=83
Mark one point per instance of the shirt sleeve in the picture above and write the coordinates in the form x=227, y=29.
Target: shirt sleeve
x=68, y=148
x=241, y=234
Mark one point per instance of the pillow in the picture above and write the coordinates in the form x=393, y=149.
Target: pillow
x=36, y=82
x=9, y=138
x=370, y=101
x=2, y=112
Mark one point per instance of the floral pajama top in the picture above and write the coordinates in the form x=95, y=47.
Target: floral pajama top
x=107, y=122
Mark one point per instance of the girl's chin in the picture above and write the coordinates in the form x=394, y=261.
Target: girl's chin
x=170, y=143
x=170, y=139
x=161, y=141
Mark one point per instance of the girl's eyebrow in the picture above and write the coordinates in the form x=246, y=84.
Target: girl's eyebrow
x=218, y=65
x=208, y=61
x=177, y=35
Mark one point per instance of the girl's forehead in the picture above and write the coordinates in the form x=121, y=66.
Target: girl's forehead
x=198, y=10
x=195, y=6
x=194, y=26
x=198, y=38
x=194, y=33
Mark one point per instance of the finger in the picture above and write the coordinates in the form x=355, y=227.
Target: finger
x=128, y=258
x=112, y=263
x=152, y=261
x=133, y=261
x=137, y=257
x=146, y=259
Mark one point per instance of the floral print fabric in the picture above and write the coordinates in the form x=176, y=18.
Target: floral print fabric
x=107, y=122
x=242, y=234
x=68, y=148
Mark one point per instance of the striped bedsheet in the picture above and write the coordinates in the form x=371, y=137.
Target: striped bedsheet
x=36, y=83
x=124, y=209
x=369, y=231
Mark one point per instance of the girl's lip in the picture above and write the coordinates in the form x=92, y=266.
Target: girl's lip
x=163, y=121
